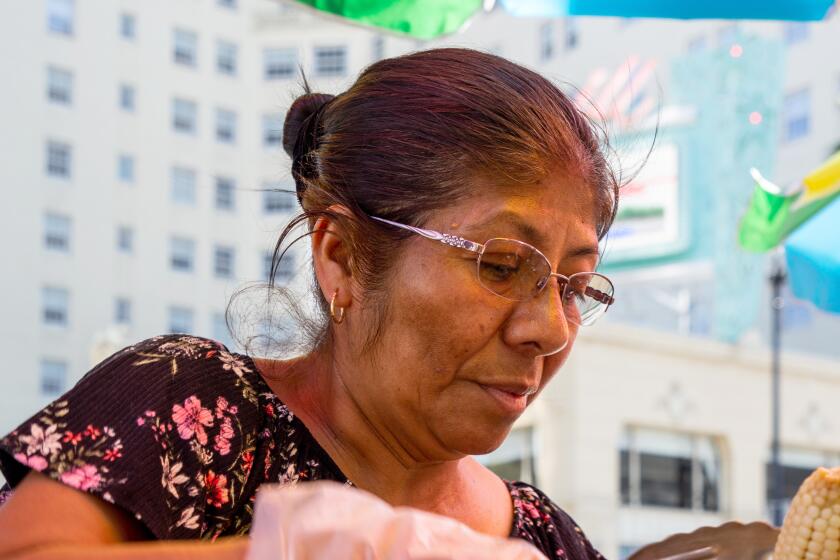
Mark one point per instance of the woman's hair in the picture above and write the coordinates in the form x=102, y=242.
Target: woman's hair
x=412, y=135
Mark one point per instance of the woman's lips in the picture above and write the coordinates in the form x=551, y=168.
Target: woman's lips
x=512, y=400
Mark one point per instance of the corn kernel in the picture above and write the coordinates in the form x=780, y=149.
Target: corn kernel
x=812, y=527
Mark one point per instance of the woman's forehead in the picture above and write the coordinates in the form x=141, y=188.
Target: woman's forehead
x=543, y=215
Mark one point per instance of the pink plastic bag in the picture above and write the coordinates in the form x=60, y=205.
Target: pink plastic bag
x=329, y=521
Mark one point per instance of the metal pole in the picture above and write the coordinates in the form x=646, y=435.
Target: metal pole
x=777, y=280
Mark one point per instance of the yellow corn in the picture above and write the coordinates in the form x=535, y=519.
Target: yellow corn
x=811, y=530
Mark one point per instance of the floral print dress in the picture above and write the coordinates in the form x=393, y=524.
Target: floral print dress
x=180, y=433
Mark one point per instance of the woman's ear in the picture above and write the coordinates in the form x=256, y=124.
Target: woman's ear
x=331, y=256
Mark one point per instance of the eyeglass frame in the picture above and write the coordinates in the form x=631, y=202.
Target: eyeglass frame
x=478, y=248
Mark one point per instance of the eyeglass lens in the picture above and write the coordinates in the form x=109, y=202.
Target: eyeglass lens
x=517, y=271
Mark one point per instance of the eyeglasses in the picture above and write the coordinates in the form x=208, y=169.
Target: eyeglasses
x=518, y=271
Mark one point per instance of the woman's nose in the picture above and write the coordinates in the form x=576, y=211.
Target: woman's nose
x=547, y=324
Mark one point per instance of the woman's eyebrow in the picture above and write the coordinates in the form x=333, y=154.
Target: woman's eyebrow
x=525, y=230
x=584, y=251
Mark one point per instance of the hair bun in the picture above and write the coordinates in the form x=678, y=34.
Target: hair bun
x=296, y=141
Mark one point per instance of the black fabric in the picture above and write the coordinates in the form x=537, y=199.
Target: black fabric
x=180, y=433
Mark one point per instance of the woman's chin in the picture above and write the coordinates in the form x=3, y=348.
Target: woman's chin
x=478, y=440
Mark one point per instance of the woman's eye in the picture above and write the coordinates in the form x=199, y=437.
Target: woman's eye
x=499, y=267
x=497, y=271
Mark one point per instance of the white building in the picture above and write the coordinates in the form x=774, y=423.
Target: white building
x=137, y=136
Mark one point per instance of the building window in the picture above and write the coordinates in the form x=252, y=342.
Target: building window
x=185, y=47
x=53, y=377
x=180, y=320
x=515, y=459
x=225, y=197
x=57, y=232
x=797, y=114
x=59, y=86
x=221, y=332
x=546, y=41
x=184, y=116
x=698, y=44
x=572, y=34
x=669, y=469
x=55, y=303
x=128, y=26
x=182, y=254
x=279, y=63
x=226, y=58
x=122, y=311
x=223, y=259
x=60, y=16
x=797, y=465
x=273, y=130
x=285, y=268
x=183, y=185
x=125, y=168
x=225, y=126
x=127, y=97
x=58, y=159
x=330, y=61
x=727, y=35
x=276, y=200
x=125, y=239
x=796, y=32
x=377, y=48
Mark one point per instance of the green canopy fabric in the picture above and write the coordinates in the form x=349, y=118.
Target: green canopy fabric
x=424, y=19
x=773, y=214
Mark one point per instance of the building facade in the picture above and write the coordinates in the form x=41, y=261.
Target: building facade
x=142, y=152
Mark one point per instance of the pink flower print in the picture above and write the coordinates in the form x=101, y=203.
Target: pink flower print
x=531, y=510
x=232, y=363
x=221, y=406
x=140, y=420
x=42, y=441
x=226, y=430
x=216, y=486
x=34, y=462
x=92, y=432
x=222, y=439
x=83, y=478
x=247, y=462
x=191, y=419
x=112, y=455
x=221, y=445
x=74, y=439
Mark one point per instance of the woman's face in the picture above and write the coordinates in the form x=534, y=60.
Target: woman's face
x=451, y=352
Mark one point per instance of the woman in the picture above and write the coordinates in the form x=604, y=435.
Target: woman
x=455, y=202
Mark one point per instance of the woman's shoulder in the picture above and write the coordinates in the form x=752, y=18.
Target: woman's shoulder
x=170, y=364
x=538, y=519
x=167, y=428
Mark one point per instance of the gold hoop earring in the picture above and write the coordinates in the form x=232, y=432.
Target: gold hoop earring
x=340, y=317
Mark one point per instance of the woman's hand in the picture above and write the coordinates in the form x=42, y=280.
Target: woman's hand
x=45, y=519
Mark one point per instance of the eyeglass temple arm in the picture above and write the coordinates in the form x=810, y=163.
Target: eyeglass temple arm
x=445, y=238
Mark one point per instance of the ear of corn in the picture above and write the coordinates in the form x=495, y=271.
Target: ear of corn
x=811, y=530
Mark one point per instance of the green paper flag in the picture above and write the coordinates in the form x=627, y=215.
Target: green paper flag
x=423, y=19
x=773, y=214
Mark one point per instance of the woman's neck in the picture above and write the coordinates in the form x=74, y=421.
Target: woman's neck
x=376, y=460
x=312, y=388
